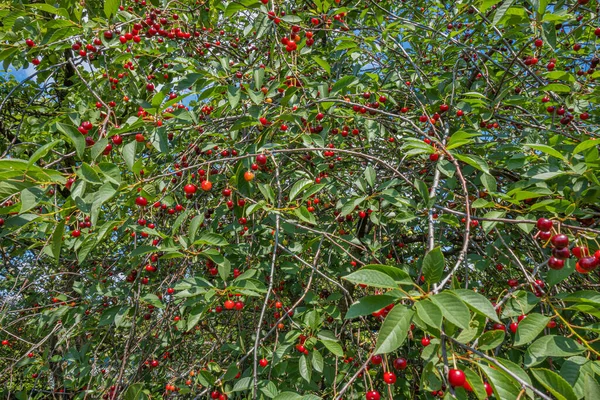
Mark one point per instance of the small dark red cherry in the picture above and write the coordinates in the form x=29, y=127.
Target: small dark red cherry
x=560, y=241
x=400, y=363
x=562, y=254
x=376, y=359
x=556, y=263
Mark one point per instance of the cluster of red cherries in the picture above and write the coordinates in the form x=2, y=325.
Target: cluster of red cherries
x=560, y=249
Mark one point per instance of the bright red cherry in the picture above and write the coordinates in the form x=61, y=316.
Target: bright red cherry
x=373, y=395
x=580, y=251
x=389, y=378
x=263, y=362
x=229, y=305
x=513, y=327
x=425, y=341
x=190, y=189
x=376, y=359
x=488, y=389
x=141, y=201
x=261, y=159
x=456, y=377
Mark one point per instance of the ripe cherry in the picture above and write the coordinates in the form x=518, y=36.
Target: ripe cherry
x=389, y=378
x=263, y=362
x=261, y=159
x=425, y=341
x=400, y=363
x=556, y=263
x=373, y=395
x=513, y=327
x=141, y=201
x=229, y=305
x=376, y=359
x=560, y=241
x=190, y=188
x=456, y=377
x=488, y=389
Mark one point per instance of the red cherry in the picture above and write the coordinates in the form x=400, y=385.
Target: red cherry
x=229, y=305
x=154, y=363
x=190, y=189
x=263, y=362
x=261, y=159
x=544, y=224
x=488, y=389
x=456, y=377
x=513, y=327
x=561, y=254
x=588, y=263
x=389, y=378
x=141, y=201
x=425, y=341
x=556, y=263
x=376, y=359
x=560, y=241
x=373, y=395
x=513, y=282
x=400, y=363
x=444, y=107
x=117, y=140
x=580, y=251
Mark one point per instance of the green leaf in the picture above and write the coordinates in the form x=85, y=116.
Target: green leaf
x=423, y=190
x=503, y=385
x=324, y=64
x=88, y=174
x=334, y=347
x=491, y=339
x=370, y=176
x=554, y=383
x=233, y=94
x=212, y=239
x=74, y=136
x=545, y=149
x=57, y=239
x=135, y=391
x=111, y=7
x=520, y=303
x=500, y=11
x=342, y=83
x=556, y=87
x=433, y=266
x=369, y=304
x=42, y=151
x=429, y=313
x=477, y=303
x=453, y=308
x=587, y=144
x=551, y=346
x=394, y=329
x=288, y=396
x=298, y=187
x=194, y=225
x=529, y=328
x=592, y=388
x=305, y=215
x=317, y=360
x=30, y=198
x=305, y=368
x=128, y=153
x=372, y=278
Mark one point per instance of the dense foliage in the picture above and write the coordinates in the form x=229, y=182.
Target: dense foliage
x=299, y=199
